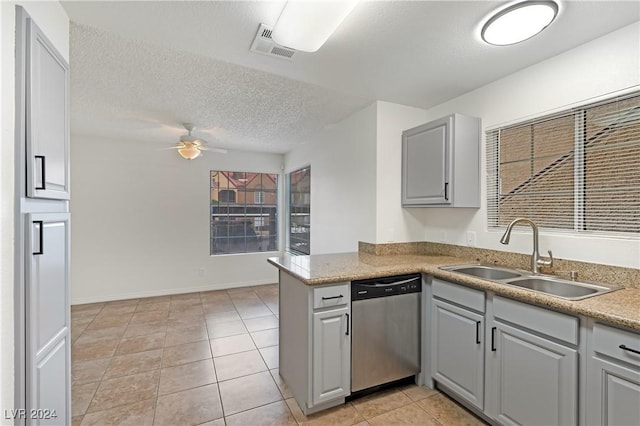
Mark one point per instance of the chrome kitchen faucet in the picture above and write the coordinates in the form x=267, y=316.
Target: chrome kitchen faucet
x=536, y=259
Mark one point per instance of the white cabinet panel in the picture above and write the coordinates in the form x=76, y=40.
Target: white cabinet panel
x=47, y=117
x=48, y=316
x=50, y=406
x=48, y=280
x=331, y=355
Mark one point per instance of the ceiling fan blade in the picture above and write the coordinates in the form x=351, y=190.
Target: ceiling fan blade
x=218, y=150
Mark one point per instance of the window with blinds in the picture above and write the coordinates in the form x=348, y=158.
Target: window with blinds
x=577, y=170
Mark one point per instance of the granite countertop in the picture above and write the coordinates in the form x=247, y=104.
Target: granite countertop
x=621, y=307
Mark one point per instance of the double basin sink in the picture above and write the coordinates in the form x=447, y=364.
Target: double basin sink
x=547, y=284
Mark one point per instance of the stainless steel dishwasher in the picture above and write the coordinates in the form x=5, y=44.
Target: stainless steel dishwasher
x=385, y=324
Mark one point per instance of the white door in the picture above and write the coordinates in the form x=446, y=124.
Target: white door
x=47, y=120
x=48, y=346
x=331, y=355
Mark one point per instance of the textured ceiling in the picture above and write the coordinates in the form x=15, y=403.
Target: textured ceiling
x=133, y=90
x=139, y=69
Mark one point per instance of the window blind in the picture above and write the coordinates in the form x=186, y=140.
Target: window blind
x=576, y=170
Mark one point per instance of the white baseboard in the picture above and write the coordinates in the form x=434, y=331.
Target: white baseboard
x=165, y=292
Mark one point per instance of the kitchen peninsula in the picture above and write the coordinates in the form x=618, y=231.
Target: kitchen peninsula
x=314, y=355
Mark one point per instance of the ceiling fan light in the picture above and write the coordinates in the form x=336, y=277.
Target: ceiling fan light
x=519, y=22
x=189, y=151
x=306, y=25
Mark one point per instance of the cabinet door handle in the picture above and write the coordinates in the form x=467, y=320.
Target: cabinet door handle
x=332, y=297
x=40, y=237
x=446, y=191
x=493, y=339
x=477, y=332
x=625, y=348
x=347, y=333
x=44, y=170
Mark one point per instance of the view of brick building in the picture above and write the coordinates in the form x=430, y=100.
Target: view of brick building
x=243, y=212
x=578, y=171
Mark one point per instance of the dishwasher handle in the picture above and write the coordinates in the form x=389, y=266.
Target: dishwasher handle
x=379, y=284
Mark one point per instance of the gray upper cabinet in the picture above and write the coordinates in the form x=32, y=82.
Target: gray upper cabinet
x=46, y=105
x=441, y=163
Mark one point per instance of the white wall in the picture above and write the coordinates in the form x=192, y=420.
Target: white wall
x=604, y=66
x=53, y=20
x=141, y=223
x=343, y=182
x=393, y=223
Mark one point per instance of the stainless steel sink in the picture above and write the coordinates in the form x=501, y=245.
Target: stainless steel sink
x=486, y=272
x=547, y=284
x=566, y=289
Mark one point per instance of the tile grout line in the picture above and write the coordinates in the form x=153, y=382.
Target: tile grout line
x=215, y=371
x=105, y=370
x=155, y=408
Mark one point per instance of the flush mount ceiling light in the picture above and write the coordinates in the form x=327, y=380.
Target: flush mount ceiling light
x=519, y=22
x=306, y=25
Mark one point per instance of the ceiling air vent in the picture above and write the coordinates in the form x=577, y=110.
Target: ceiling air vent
x=263, y=43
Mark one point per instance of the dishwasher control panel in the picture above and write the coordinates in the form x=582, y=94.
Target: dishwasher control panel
x=387, y=286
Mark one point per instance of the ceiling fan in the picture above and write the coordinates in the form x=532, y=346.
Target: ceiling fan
x=191, y=147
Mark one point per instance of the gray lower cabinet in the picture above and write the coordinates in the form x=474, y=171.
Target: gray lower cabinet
x=48, y=346
x=331, y=355
x=532, y=360
x=457, y=333
x=512, y=362
x=535, y=381
x=613, y=382
x=315, y=342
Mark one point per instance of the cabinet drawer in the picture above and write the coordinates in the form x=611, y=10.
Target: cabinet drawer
x=461, y=295
x=550, y=323
x=608, y=341
x=333, y=295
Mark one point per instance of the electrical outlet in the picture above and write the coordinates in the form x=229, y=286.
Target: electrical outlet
x=201, y=272
x=471, y=238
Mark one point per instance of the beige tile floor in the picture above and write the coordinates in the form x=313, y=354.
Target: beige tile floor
x=211, y=358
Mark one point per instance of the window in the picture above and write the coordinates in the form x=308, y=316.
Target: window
x=299, y=190
x=258, y=196
x=241, y=221
x=577, y=170
x=227, y=196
